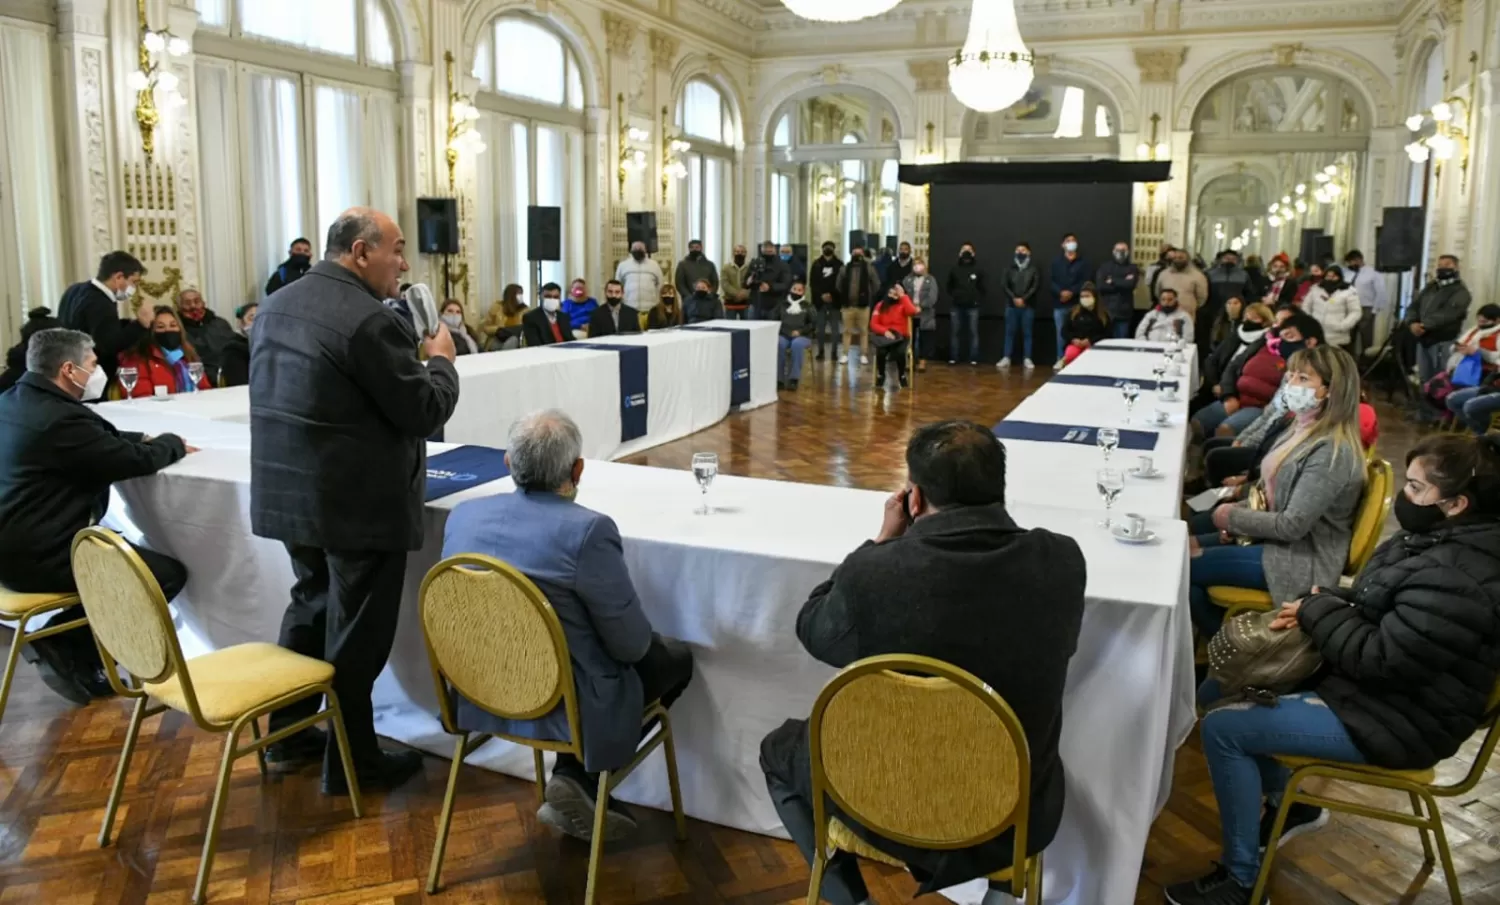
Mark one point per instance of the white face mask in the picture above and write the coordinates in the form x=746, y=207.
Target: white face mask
x=1070, y=246
x=1087, y=301
x=1300, y=399
x=1249, y=335
x=126, y=294
x=93, y=388
x=454, y=321
x=550, y=304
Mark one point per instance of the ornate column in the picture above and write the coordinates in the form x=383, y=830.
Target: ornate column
x=663, y=52
x=88, y=159
x=418, y=170
x=1161, y=213
x=930, y=144
x=1482, y=266
x=624, y=100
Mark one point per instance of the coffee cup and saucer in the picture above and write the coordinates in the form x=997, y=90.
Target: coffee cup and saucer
x=1161, y=418
x=1132, y=530
x=1145, y=468
x=1168, y=394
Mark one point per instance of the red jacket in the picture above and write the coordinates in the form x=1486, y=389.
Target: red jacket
x=155, y=372
x=1369, y=425
x=1259, y=379
x=893, y=317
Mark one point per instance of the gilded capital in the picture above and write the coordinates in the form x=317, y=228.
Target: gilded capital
x=620, y=32
x=1159, y=64
x=663, y=49
x=930, y=75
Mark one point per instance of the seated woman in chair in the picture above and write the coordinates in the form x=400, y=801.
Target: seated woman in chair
x=1409, y=662
x=1303, y=506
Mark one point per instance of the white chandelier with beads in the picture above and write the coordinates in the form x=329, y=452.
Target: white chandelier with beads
x=994, y=69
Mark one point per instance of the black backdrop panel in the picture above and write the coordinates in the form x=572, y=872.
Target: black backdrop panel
x=994, y=218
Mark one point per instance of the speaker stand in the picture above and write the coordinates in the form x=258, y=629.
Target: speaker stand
x=447, y=282
x=536, y=279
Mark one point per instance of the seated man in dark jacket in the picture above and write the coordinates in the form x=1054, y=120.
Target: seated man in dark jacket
x=209, y=333
x=614, y=316
x=545, y=324
x=950, y=576
x=57, y=462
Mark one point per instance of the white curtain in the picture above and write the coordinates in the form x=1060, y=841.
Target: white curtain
x=227, y=282
x=485, y=247
x=32, y=154
x=384, y=147
x=273, y=146
x=551, y=189
x=341, y=178
x=326, y=25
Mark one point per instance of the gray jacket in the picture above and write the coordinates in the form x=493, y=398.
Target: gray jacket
x=1306, y=533
x=689, y=272
x=923, y=291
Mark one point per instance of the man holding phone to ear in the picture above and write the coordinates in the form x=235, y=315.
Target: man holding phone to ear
x=950, y=576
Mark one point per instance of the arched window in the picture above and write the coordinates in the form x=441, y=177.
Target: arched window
x=705, y=197
x=292, y=146
x=1055, y=118
x=782, y=137
x=530, y=101
x=1284, y=109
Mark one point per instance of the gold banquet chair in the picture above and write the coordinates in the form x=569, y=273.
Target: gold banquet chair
x=1417, y=784
x=23, y=608
x=493, y=637
x=223, y=692
x=924, y=754
x=1369, y=522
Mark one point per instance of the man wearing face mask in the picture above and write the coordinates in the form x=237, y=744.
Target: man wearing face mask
x=94, y=308
x=1226, y=280
x=1019, y=288
x=294, y=268
x=340, y=412
x=858, y=285
x=1283, y=285
x=693, y=268
x=1335, y=305
x=966, y=287
x=1166, y=322
x=1184, y=278
x=768, y=278
x=545, y=324
x=58, y=459
x=823, y=287
x=899, y=269
x=1436, y=316
x=641, y=278
x=1116, y=282
x=1069, y=273
x=732, y=285
x=794, y=265
x=208, y=333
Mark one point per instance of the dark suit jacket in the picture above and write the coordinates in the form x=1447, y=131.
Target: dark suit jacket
x=602, y=324
x=88, y=308
x=969, y=587
x=340, y=409
x=574, y=555
x=57, y=460
x=537, y=331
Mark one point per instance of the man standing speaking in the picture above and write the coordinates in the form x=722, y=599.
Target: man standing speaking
x=340, y=407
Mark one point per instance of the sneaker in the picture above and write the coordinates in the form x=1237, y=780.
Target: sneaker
x=305, y=747
x=1301, y=819
x=1217, y=888
x=864, y=359
x=904, y=382
x=844, y=358
x=952, y=361
x=1003, y=364
x=1028, y=365
x=569, y=809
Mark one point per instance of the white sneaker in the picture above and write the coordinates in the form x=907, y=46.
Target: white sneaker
x=864, y=359
x=1003, y=364
x=1028, y=365
x=844, y=358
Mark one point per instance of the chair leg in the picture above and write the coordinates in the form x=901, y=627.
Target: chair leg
x=260, y=753
x=596, y=844
x=670, y=750
x=434, y=873
x=1441, y=838
x=216, y=816
x=541, y=776
x=10, y=664
x=131, y=733
x=1263, y=880
x=1416, y=808
x=1034, y=882
x=815, y=882
x=346, y=756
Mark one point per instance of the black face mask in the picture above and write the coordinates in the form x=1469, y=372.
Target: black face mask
x=169, y=340
x=694, y=255
x=638, y=255
x=828, y=253
x=1332, y=285
x=768, y=255
x=1288, y=348
x=1416, y=518
x=1447, y=273
x=1122, y=256
x=301, y=262
x=739, y=260
x=967, y=257
x=613, y=301
x=700, y=295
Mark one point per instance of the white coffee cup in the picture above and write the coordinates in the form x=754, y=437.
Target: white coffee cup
x=1169, y=394
x=159, y=390
x=1144, y=465
x=1162, y=417
x=1135, y=525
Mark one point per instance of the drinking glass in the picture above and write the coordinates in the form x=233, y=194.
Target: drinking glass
x=1108, y=439
x=705, y=467
x=1110, y=482
x=128, y=377
x=1159, y=372
x=195, y=374
x=1132, y=392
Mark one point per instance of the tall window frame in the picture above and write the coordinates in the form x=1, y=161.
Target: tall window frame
x=359, y=31
x=706, y=196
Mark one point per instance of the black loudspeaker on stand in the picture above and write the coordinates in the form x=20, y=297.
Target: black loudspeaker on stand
x=543, y=240
x=1398, y=250
x=640, y=226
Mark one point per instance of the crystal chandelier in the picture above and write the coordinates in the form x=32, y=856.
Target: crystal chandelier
x=838, y=10
x=994, y=69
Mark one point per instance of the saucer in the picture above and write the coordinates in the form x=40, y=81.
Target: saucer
x=1118, y=531
x=1152, y=475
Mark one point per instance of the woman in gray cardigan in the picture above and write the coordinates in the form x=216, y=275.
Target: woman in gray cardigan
x=922, y=288
x=1311, y=481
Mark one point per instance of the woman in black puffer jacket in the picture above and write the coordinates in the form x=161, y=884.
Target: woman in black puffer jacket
x=1411, y=657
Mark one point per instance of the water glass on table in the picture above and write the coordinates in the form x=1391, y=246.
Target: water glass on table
x=1108, y=440
x=195, y=375
x=1110, y=482
x=705, y=468
x=1132, y=391
x=127, y=378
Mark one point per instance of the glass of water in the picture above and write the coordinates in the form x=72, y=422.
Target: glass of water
x=128, y=378
x=195, y=374
x=1110, y=482
x=705, y=467
x=1108, y=440
x=1159, y=372
x=1132, y=392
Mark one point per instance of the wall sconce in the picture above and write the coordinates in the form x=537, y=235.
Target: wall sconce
x=1154, y=150
x=1450, y=134
x=826, y=193
x=672, y=149
x=631, y=159
x=463, y=127
x=155, y=47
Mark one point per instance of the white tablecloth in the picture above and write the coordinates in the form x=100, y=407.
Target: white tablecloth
x=763, y=335
x=1138, y=365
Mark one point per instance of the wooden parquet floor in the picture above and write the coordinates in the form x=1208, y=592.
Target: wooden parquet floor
x=284, y=843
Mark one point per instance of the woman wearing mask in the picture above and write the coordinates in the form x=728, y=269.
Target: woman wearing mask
x=795, y=314
x=1251, y=329
x=890, y=325
x=1310, y=485
x=667, y=314
x=1408, y=662
x=465, y=342
x=501, y=328
x=1228, y=321
x=1087, y=323
x=1475, y=405
x=1336, y=306
x=161, y=359
x=1313, y=277
x=703, y=305
x=922, y=288
x=579, y=306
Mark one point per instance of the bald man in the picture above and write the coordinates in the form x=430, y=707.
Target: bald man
x=340, y=406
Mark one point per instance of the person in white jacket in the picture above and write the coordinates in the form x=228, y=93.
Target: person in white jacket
x=1166, y=321
x=641, y=278
x=1335, y=305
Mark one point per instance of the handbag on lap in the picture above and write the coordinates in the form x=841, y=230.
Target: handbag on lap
x=1253, y=663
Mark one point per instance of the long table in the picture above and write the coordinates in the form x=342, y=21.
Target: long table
x=688, y=371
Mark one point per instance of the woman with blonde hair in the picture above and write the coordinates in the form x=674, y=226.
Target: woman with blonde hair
x=1292, y=533
x=501, y=328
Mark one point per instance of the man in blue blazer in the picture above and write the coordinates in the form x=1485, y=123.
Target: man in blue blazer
x=575, y=556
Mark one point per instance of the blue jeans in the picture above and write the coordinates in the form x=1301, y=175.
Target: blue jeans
x=1212, y=416
x=1432, y=359
x=1120, y=327
x=736, y=315
x=826, y=320
x=1018, y=319
x=1238, y=742
x=790, y=365
x=1474, y=409
x=1221, y=565
x=1060, y=317
x=959, y=317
